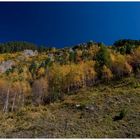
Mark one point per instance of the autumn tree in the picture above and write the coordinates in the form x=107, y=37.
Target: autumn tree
x=120, y=66
x=135, y=61
x=40, y=90
x=106, y=73
x=4, y=94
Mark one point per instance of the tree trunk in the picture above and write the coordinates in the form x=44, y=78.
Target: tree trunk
x=23, y=100
x=5, y=109
x=13, y=105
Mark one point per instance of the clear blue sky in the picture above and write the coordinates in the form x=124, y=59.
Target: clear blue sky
x=69, y=23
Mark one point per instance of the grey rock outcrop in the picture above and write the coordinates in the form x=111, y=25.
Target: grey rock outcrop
x=29, y=53
x=4, y=66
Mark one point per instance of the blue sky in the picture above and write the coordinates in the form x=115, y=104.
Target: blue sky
x=62, y=24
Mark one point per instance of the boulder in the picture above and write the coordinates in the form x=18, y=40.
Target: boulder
x=6, y=65
x=30, y=53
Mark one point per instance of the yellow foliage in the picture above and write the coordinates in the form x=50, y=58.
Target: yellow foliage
x=127, y=68
x=71, y=75
x=26, y=88
x=136, y=55
x=1, y=59
x=106, y=73
x=41, y=72
x=112, y=57
x=21, y=87
x=3, y=85
x=121, y=66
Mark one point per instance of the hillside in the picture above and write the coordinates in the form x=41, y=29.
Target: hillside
x=91, y=113
x=85, y=91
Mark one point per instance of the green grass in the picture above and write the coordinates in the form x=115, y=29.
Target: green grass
x=87, y=114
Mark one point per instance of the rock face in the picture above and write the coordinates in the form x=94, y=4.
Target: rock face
x=4, y=66
x=29, y=53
